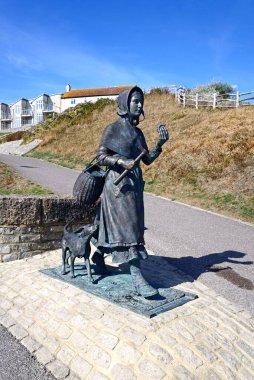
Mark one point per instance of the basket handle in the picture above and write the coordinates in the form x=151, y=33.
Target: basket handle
x=90, y=164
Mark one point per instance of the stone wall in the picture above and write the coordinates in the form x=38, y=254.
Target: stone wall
x=31, y=225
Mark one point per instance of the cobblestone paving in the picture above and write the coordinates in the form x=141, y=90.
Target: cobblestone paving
x=79, y=336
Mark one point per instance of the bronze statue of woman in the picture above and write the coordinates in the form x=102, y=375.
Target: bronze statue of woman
x=121, y=211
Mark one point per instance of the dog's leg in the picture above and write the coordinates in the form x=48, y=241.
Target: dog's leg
x=72, y=266
x=68, y=255
x=64, y=260
x=88, y=268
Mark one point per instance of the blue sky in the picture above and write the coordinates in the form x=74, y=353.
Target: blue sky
x=46, y=44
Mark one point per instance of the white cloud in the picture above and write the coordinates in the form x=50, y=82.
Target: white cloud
x=44, y=55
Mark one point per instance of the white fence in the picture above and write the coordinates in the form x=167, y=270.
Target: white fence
x=231, y=100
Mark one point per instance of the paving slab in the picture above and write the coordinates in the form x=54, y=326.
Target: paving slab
x=80, y=336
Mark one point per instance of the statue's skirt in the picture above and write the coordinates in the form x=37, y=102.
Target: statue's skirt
x=121, y=217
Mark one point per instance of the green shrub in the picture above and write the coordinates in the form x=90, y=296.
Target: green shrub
x=160, y=90
x=218, y=87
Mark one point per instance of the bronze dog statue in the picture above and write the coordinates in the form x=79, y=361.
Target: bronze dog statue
x=77, y=244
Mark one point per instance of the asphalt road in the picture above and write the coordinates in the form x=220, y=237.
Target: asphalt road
x=16, y=362
x=53, y=177
x=218, y=251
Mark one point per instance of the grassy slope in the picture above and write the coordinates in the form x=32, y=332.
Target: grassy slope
x=209, y=161
x=12, y=183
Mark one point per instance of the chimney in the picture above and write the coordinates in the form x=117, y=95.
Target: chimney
x=68, y=88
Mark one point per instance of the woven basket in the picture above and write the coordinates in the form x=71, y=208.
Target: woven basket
x=89, y=185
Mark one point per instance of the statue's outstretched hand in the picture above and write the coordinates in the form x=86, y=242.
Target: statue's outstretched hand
x=126, y=163
x=163, y=134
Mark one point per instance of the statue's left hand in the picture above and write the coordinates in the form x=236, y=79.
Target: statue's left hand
x=163, y=134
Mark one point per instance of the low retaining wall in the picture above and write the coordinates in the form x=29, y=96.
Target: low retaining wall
x=32, y=225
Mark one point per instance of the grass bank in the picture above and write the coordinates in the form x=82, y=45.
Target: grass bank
x=241, y=207
x=11, y=183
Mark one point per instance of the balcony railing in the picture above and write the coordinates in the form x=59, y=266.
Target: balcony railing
x=26, y=112
x=5, y=116
x=49, y=109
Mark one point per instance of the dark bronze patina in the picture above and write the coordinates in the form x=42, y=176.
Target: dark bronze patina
x=77, y=244
x=118, y=229
x=121, y=211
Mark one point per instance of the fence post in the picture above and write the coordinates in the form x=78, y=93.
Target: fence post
x=214, y=100
x=196, y=101
x=237, y=101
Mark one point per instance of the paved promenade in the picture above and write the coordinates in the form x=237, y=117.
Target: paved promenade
x=79, y=336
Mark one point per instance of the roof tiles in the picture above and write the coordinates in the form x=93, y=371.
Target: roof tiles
x=86, y=92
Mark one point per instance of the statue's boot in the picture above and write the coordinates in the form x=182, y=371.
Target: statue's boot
x=139, y=283
x=98, y=260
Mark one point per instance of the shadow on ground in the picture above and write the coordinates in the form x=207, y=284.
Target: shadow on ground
x=117, y=287
x=219, y=263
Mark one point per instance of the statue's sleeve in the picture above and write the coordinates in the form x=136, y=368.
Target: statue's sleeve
x=106, y=157
x=153, y=154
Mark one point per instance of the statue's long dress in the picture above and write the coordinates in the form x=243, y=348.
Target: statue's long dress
x=121, y=211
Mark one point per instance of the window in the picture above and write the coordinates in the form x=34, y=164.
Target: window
x=5, y=125
x=17, y=123
x=39, y=118
x=50, y=106
x=39, y=104
x=73, y=101
x=18, y=110
x=26, y=122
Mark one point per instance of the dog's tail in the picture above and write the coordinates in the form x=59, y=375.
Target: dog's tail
x=67, y=225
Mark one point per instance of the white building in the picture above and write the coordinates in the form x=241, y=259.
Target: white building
x=22, y=114
x=25, y=113
x=5, y=117
x=43, y=105
x=73, y=97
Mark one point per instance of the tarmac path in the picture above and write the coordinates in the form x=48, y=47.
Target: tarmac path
x=16, y=362
x=217, y=250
